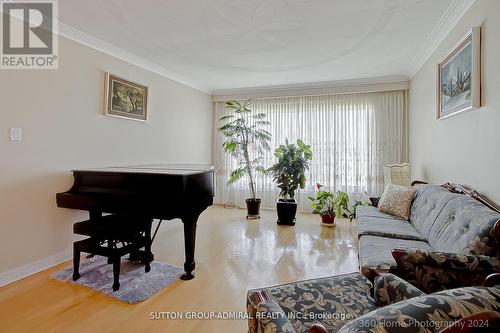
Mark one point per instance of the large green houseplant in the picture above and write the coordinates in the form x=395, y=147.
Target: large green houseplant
x=246, y=141
x=289, y=174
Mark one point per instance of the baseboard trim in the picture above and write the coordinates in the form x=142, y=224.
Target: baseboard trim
x=34, y=267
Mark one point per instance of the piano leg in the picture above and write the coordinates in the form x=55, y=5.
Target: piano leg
x=136, y=254
x=189, y=244
x=147, y=248
x=116, y=273
x=76, y=261
x=94, y=215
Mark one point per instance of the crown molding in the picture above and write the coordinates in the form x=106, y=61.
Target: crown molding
x=321, y=88
x=450, y=18
x=88, y=40
x=95, y=43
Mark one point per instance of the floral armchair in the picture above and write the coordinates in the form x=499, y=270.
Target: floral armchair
x=351, y=303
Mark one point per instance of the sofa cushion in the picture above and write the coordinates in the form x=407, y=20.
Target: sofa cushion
x=375, y=251
x=464, y=225
x=396, y=200
x=370, y=211
x=428, y=313
x=387, y=227
x=333, y=300
x=428, y=202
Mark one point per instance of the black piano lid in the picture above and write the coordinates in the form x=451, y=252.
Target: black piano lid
x=170, y=169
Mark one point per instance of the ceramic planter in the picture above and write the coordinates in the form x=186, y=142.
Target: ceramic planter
x=328, y=220
x=253, y=208
x=287, y=209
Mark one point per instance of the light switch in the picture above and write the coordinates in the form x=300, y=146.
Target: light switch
x=15, y=134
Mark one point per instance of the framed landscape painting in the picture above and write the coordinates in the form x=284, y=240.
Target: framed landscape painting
x=126, y=99
x=459, y=77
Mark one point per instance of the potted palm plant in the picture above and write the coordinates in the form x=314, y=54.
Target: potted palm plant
x=289, y=174
x=246, y=141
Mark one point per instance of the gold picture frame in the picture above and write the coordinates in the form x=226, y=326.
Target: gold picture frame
x=125, y=99
x=458, y=84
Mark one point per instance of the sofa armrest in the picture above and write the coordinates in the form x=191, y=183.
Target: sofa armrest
x=272, y=318
x=389, y=288
x=434, y=271
x=254, y=298
x=496, y=232
x=479, y=322
x=492, y=280
x=374, y=201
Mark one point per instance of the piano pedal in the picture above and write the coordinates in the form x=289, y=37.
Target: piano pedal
x=253, y=217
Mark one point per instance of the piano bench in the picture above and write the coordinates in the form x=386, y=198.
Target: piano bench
x=113, y=236
x=115, y=226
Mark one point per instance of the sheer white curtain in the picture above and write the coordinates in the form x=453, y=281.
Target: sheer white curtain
x=352, y=137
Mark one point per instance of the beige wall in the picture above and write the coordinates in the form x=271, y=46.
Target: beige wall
x=464, y=148
x=60, y=113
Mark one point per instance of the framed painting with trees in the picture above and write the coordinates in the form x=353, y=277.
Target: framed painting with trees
x=458, y=77
x=126, y=99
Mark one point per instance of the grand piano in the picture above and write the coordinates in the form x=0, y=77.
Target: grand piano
x=146, y=192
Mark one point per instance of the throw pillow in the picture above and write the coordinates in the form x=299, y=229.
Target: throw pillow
x=396, y=200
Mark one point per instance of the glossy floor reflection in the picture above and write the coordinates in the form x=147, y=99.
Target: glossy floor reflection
x=233, y=255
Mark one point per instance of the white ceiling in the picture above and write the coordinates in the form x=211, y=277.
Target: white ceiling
x=230, y=44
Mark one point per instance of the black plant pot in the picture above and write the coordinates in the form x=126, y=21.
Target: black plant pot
x=287, y=209
x=253, y=208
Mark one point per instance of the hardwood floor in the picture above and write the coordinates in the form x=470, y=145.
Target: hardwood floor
x=232, y=254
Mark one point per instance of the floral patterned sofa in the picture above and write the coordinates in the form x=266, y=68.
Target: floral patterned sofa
x=352, y=303
x=445, y=220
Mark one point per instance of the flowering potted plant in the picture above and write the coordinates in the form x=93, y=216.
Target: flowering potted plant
x=327, y=205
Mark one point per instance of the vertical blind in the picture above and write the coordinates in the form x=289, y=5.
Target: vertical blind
x=352, y=136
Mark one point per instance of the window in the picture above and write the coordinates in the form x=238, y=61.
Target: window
x=352, y=137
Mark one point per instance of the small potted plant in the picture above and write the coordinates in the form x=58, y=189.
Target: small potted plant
x=289, y=174
x=327, y=205
x=246, y=141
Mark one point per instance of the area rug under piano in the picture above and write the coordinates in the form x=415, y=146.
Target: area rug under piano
x=136, y=285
